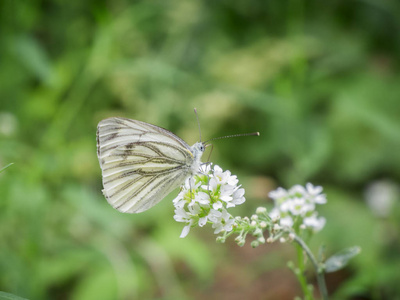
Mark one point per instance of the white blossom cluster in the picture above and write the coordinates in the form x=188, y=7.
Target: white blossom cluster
x=205, y=197
x=295, y=208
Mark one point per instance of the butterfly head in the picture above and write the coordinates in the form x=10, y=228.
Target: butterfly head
x=197, y=150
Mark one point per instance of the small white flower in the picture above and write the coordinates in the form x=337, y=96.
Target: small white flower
x=313, y=190
x=297, y=191
x=211, y=185
x=381, y=197
x=286, y=206
x=217, y=205
x=205, y=198
x=286, y=221
x=232, y=180
x=205, y=168
x=298, y=203
x=314, y=194
x=182, y=215
x=278, y=193
x=215, y=215
x=194, y=208
x=275, y=214
x=238, y=197
x=315, y=223
x=224, y=222
x=299, y=206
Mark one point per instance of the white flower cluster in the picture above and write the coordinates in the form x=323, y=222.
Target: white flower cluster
x=296, y=207
x=205, y=198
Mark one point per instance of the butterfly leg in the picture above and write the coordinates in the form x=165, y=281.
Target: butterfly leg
x=208, y=177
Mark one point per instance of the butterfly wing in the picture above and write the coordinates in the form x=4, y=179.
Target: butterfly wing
x=141, y=163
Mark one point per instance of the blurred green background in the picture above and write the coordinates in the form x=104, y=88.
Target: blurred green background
x=318, y=79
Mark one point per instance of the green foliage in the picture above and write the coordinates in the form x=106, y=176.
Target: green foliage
x=341, y=259
x=318, y=80
x=7, y=296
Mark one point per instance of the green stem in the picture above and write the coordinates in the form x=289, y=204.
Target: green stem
x=320, y=271
x=300, y=274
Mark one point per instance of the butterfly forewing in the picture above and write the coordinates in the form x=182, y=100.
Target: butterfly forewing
x=141, y=163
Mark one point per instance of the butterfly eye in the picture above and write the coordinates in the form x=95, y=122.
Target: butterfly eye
x=202, y=148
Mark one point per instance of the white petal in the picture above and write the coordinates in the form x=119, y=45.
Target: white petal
x=286, y=221
x=238, y=193
x=238, y=201
x=320, y=199
x=202, y=221
x=313, y=190
x=217, y=205
x=274, y=213
x=297, y=189
x=185, y=231
x=226, y=198
x=217, y=168
x=278, y=193
x=232, y=180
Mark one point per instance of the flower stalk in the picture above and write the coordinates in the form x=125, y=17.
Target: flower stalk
x=206, y=198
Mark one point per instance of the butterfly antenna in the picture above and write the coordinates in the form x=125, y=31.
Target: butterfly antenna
x=233, y=135
x=198, y=122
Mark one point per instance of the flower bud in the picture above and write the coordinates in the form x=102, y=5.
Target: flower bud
x=261, y=210
x=277, y=227
x=241, y=242
x=220, y=239
x=258, y=232
x=263, y=224
x=255, y=244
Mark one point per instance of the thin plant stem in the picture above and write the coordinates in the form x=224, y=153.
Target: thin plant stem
x=300, y=274
x=320, y=271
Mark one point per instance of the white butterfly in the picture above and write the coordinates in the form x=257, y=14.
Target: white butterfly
x=142, y=163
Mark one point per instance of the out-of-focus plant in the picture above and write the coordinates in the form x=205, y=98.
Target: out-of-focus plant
x=206, y=198
x=2, y=169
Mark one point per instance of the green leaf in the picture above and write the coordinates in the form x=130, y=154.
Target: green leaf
x=2, y=169
x=340, y=259
x=7, y=296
